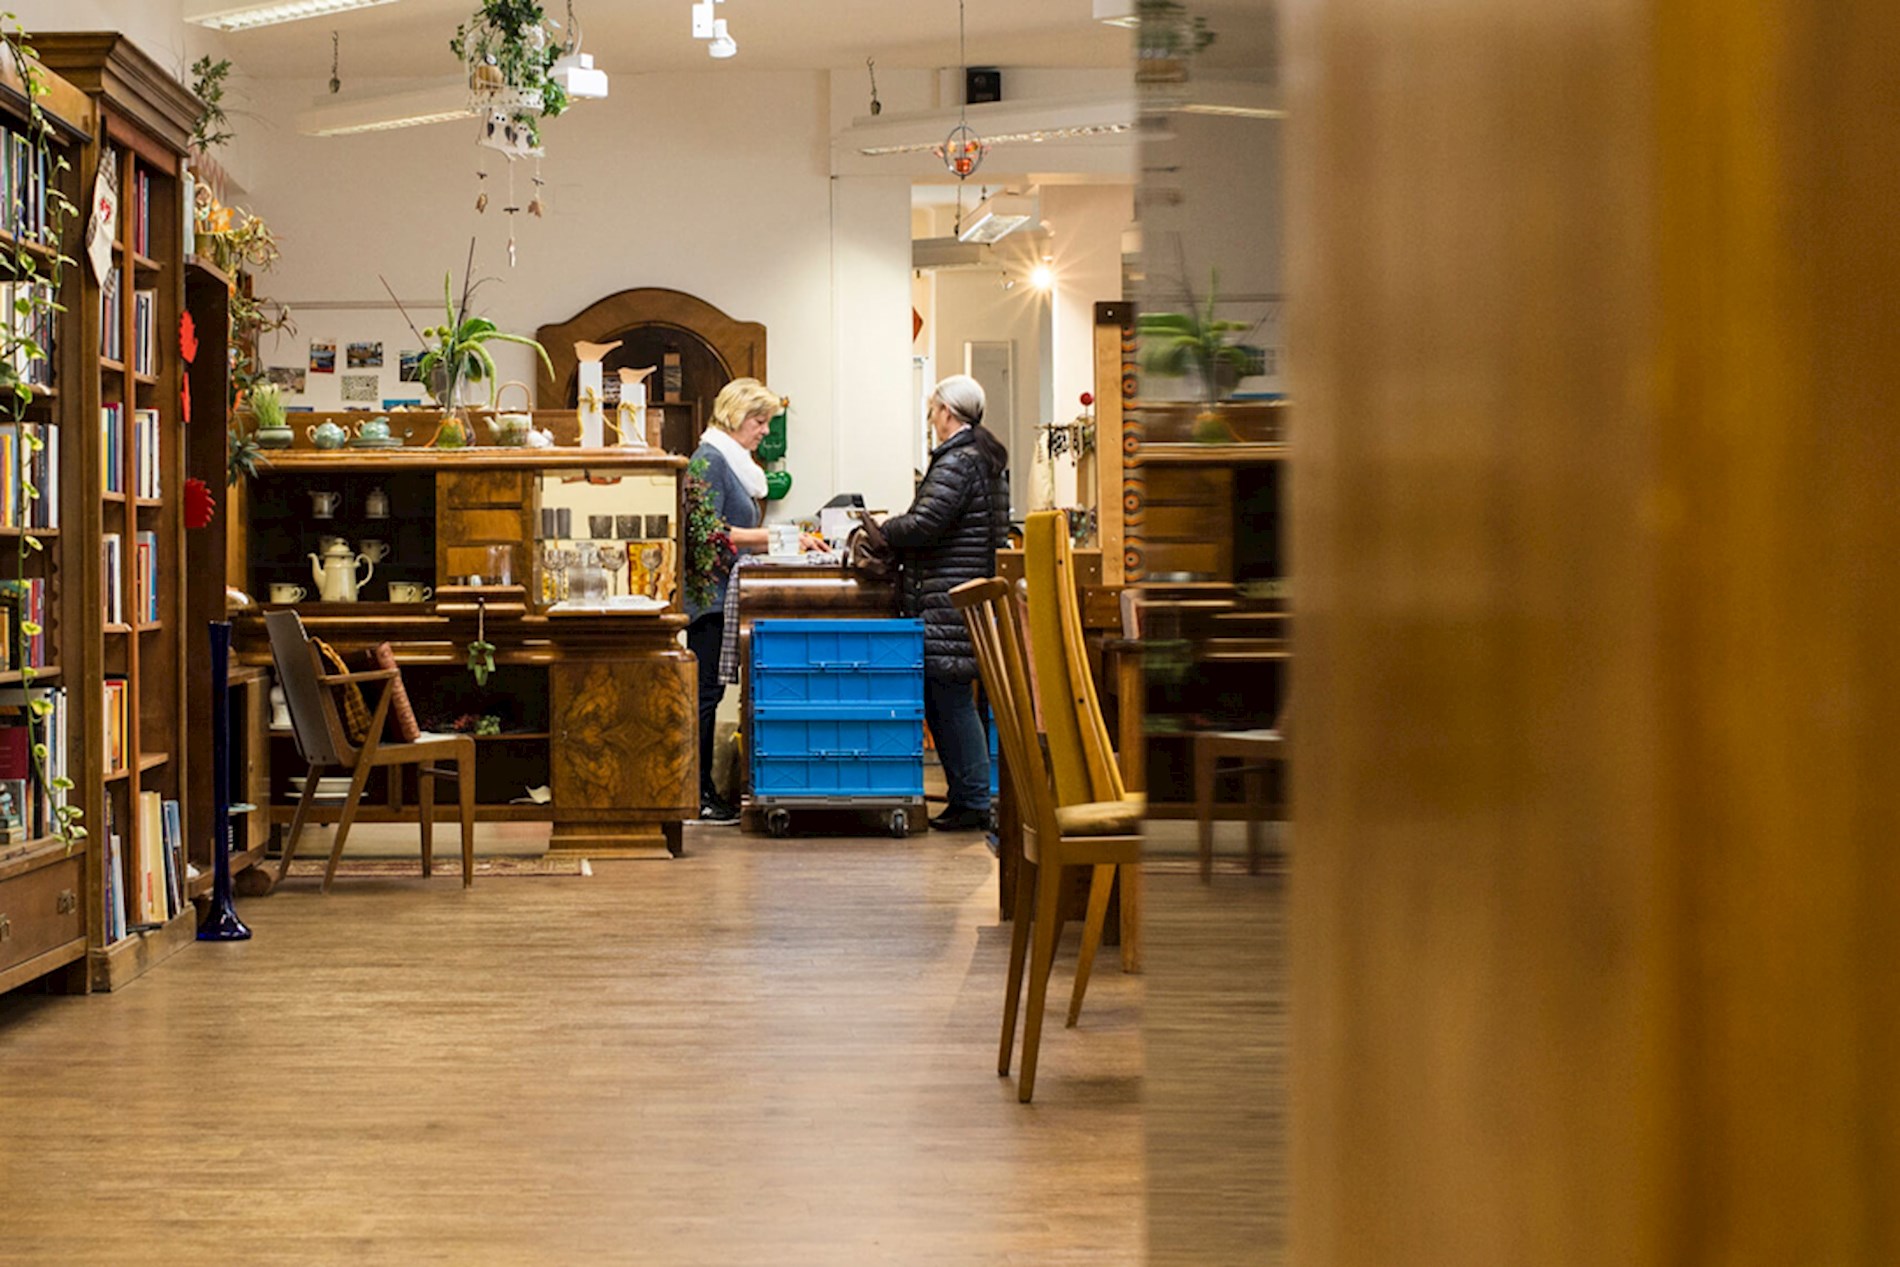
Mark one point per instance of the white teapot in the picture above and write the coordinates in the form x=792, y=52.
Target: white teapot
x=335, y=573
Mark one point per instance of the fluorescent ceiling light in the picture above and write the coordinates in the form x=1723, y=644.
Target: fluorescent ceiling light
x=1009, y=138
x=440, y=102
x=237, y=15
x=1233, y=112
x=997, y=217
x=1117, y=13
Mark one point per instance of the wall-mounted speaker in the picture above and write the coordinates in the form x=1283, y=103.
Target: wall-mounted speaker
x=982, y=83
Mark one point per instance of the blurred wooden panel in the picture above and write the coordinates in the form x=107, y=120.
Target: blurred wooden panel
x=1593, y=950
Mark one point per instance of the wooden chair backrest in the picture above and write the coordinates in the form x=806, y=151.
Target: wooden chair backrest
x=990, y=615
x=294, y=656
x=1079, y=749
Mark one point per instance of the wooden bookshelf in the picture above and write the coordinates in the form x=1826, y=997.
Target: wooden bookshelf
x=143, y=126
x=45, y=894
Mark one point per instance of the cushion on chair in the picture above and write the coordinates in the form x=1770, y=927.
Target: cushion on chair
x=355, y=708
x=401, y=716
x=1102, y=818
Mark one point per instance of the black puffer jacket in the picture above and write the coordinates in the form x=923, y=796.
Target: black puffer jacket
x=949, y=536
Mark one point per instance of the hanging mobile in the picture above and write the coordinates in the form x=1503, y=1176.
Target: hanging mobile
x=534, y=204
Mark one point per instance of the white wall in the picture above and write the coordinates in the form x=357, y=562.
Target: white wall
x=154, y=25
x=1086, y=255
x=714, y=183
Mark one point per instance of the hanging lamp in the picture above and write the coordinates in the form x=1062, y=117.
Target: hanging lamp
x=963, y=150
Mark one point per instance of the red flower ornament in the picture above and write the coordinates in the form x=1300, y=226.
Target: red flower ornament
x=200, y=505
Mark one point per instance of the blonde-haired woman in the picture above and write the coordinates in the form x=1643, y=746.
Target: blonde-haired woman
x=736, y=483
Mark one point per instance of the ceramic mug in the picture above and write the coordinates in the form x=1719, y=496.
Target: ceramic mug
x=410, y=592
x=375, y=549
x=284, y=592
x=323, y=505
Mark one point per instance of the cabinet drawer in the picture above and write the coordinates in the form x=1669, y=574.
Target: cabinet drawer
x=461, y=490
x=41, y=910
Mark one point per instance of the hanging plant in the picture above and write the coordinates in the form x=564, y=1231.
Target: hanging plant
x=209, y=130
x=26, y=336
x=481, y=652
x=509, y=52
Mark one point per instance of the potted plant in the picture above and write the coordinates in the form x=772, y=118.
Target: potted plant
x=1168, y=35
x=455, y=354
x=1199, y=345
x=272, y=422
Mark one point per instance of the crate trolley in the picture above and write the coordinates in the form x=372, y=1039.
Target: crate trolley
x=837, y=720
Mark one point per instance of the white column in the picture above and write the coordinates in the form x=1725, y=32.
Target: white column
x=870, y=319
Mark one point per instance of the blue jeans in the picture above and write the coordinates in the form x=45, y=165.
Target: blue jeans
x=962, y=745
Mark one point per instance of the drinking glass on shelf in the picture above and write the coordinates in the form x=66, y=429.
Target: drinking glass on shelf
x=613, y=559
x=500, y=568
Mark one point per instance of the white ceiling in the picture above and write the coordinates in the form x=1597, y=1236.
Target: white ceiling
x=410, y=38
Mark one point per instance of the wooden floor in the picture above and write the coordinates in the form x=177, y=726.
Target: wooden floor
x=765, y=1053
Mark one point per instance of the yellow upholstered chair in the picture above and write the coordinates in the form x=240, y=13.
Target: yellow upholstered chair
x=1080, y=754
x=1054, y=838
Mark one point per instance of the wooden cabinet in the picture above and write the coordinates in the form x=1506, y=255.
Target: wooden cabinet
x=598, y=706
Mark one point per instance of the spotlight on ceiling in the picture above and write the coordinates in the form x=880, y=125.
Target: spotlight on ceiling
x=707, y=27
x=240, y=15
x=1117, y=13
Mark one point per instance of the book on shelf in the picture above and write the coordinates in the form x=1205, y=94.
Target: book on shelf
x=150, y=883
x=26, y=307
x=118, y=728
x=114, y=870
x=174, y=858
x=144, y=331
x=146, y=549
x=140, y=209
x=112, y=318
x=25, y=602
x=112, y=443
x=145, y=453
x=23, y=185
x=29, y=455
x=32, y=801
x=112, y=545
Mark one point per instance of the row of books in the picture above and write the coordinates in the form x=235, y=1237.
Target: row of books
x=23, y=185
x=22, y=603
x=28, y=803
x=138, y=208
x=152, y=889
x=29, y=453
x=145, y=441
x=144, y=331
x=118, y=736
x=27, y=310
x=144, y=577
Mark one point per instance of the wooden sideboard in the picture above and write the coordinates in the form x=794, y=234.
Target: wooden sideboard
x=597, y=706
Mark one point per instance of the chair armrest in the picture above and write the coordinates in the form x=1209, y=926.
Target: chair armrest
x=367, y=675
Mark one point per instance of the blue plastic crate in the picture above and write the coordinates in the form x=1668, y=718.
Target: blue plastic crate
x=836, y=735
x=837, y=662
x=833, y=779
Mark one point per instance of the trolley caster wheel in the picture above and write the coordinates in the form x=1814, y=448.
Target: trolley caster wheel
x=779, y=823
x=900, y=824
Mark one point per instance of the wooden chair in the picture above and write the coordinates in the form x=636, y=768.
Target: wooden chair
x=1257, y=751
x=323, y=741
x=1081, y=757
x=1081, y=834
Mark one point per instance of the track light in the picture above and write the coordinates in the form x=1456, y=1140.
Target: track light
x=707, y=27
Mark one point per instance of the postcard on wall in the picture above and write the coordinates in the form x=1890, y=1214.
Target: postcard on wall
x=366, y=356
x=288, y=378
x=323, y=356
x=361, y=387
x=409, y=366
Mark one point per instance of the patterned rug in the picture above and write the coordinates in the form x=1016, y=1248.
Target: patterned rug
x=445, y=866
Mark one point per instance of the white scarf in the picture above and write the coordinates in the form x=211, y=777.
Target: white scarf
x=743, y=464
